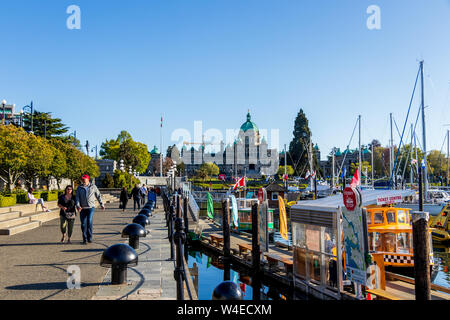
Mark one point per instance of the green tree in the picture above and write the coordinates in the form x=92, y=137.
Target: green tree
x=365, y=168
x=134, y=154
x=210, y=168
x=58, y=166
x=45, y=125
x=289, y=170
x=108, y=181
x=181, y=168
x=437, y=164
x=299, y=147
x=14, y=154
x=39, y=160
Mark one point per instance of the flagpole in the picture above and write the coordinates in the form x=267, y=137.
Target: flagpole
x=285, y=167
x=359, y=142
x=161, y=153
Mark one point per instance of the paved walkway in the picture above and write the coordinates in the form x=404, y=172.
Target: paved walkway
x=152, y=278
x=33, y=264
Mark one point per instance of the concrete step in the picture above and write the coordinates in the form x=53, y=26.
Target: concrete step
x=14, y=222
x=9, y=215
x=44, y=216
x=20, y=228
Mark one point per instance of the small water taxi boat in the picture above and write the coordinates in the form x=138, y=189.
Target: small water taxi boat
x=245, y=215
x=390, y=233
x=441, y=226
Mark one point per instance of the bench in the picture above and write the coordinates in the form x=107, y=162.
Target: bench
x=274, y=259
x=216, y=239
x=244, y=248
x=383, y=294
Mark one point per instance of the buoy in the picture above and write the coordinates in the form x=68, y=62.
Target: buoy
x=369, y=296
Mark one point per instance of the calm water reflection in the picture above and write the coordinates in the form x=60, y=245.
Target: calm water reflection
x=208, y=272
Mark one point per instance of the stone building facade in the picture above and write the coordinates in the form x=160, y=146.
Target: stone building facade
x=249, y=155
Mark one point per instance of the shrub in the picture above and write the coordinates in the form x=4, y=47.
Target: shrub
x=108, y=181
x=21, y=197
x=7, y=201
x=49, y=196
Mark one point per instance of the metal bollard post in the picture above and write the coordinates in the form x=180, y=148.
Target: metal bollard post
x=179, y=274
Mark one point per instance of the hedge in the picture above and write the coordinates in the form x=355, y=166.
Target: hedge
x=49, y=196
x=7, y=201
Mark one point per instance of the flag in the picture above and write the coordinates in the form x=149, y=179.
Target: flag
x=356, y=181
x=239, y=183
x=307, y=174
x=234, y=211
x=161, y=121
x=285, y=177
x=209, y=206
x=313, y=174
x=283, y=219
x=344, y=172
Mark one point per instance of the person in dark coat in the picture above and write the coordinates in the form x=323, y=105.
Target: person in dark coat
x=124, y=198
x=136, y=193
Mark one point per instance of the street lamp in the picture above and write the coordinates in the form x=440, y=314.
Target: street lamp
x=31, y=111
x=21, y=118
x=92, y=150
x=4, y=105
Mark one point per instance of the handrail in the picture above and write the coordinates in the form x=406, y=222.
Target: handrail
x=411, y=280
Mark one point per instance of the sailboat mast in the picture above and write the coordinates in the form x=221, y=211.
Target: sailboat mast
x=373, y=185
x=448, y=156
x=359, y=143
x=332, y=181
x=285, y=167
x=411, y=164
x=424, y=134
x=391, y=153
x=311, y=162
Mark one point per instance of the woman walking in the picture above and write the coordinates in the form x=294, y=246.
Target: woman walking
x=124, y=198
x=66, y=202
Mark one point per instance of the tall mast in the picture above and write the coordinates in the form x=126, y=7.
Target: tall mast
x=448, y=156
x=373, y=185
x=285, y=166
x=311, y=162
x=411, y=164
x=359, y=142
x=391, y=152
x=333, y=161
x=161, y=150
x=424, y=137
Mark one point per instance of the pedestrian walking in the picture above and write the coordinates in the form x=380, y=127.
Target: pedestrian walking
x=67, y=214
x=136, y=193
x=143, y=194
x=124, y=198
x=33, y=200
x=85, y=203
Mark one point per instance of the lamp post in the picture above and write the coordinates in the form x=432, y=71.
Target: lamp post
x=87, y=147
x=21, y=118
x=92, y=150
x=31, y=113
x=4, y=105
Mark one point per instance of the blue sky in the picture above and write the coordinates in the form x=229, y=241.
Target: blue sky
x=213, y=60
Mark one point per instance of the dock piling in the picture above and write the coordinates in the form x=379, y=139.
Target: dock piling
x=421, y=244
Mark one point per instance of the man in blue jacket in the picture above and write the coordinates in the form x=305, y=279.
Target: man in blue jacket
x=85, y=203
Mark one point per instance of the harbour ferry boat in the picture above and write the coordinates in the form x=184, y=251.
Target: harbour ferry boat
x=390, y=233
x=245, y=215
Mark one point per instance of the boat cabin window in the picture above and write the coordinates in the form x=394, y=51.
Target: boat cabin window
x=274, y=196
x=403, y=242
x=390, y=215
x=390, y=242
x=378, y=218
x=369, y=217
x=401, y=216
x=375, y=242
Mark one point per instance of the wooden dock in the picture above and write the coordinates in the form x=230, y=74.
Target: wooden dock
x=279, y=263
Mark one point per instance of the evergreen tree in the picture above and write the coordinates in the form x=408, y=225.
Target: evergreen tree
x=45, y=125
x=299, y=147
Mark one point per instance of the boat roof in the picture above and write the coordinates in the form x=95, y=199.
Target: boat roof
x=331, y=203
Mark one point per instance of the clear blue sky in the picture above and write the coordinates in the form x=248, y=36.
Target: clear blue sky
x=212, y=60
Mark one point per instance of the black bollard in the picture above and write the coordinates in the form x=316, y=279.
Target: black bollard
x=133, y=232
x=185, y=215
x=179, y=273
x=227, y=290
x=118, y=257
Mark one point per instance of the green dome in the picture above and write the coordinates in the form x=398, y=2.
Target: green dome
x=154, y=151
x=249, y=125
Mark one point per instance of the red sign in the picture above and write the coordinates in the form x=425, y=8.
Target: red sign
x=261, y=195
x=351, y=198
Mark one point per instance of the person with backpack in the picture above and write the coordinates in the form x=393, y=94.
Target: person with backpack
x=136, y=193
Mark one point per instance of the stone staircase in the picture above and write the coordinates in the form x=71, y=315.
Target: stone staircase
x=24, y=217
